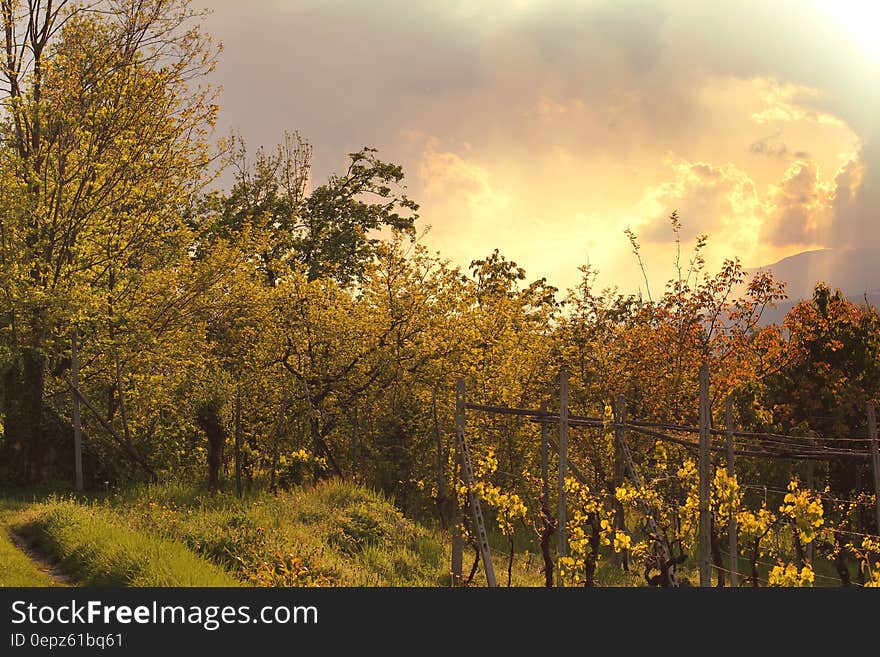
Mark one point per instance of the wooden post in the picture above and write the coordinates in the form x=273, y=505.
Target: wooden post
x=811, y=486
x=705, y=471
x=273, y=481
x=238, y=441
x=355, y=444
x=123, y=413
x=479, y=525
x=443, y=501
x=563, y=463
x=545, y=469
x=457, y=539
x=733, y=545
x=441, y=474
x=619, y=437
x=875, y=459
x=77, y=420
x=546, y=514
x=619, y=472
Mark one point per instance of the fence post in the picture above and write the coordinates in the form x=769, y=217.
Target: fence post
x=441, y=483
x=546, y=514
x=811, y=486
x=77, y=420
x=875, y=459
x=619, y=472
x=733, y=546
x=457, y=539
x=279, y=427
x=238, y=441
x=563, y=462
x=355, y=444
x=705, y=474
x=545, y=476
x=479, y=525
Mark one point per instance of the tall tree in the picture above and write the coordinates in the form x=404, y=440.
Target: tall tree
x=103, y=143
x=330, y=231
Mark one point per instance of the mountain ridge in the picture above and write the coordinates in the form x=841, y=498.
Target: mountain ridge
x=856, y=272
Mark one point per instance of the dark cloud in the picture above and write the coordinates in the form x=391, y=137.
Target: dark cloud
x=771, y=146
x=856, y=219
x=349, y=73
x=337, y=71
x=590, y=35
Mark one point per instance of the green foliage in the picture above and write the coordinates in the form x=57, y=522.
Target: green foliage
x=833, y=365
x=99, y=548
x=336, y=534
x=328, y=232
x=16, y=569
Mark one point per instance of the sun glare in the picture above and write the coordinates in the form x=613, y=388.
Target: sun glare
x=860, y=19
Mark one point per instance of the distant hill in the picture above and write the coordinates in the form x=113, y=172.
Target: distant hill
x=855, y=271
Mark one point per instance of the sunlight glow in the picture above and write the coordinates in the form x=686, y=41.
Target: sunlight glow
x=860, y=19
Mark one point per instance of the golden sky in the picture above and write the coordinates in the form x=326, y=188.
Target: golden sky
x=545, y=128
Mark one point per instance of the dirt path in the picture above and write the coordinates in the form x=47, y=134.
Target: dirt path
x=19, y=564
x=44, y=565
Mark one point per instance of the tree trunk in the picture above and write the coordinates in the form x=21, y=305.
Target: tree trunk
x=717, y=557
x=34, y=371
x=509, y=560
x=316, y=449
x=208, y=419
x=237, y=430
x=321, y=448
x=842, y=569
x=548, y=527
x=474, y=566
x=754, y=561
x=592, y=559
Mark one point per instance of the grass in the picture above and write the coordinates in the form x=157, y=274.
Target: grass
x=16, y=568
x=97, y=548
x=336, y=534
x=176, y=534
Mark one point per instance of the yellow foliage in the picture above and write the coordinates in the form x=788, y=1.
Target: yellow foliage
x=789, y=575
x=804, y=510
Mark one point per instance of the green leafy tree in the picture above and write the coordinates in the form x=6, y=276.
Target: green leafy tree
x=103, y=143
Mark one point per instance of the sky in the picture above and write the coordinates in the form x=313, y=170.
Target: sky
x=545, y=128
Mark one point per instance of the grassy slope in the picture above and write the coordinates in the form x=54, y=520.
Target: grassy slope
x=97, y=548
x=336, y=534
x=16, y=569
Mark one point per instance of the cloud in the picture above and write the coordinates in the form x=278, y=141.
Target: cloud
x=547, y=106
x=545, y=128
x=444, y=173
x=785, y=102
x=773, y=146
x=708, y=199
x=856, y=202
x=724, y=202
x=798, y=206
x=457, y=189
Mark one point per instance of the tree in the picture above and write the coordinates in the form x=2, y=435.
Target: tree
x=831, y=369
x=104, y=143
x=833, y=366
x=330, y=231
